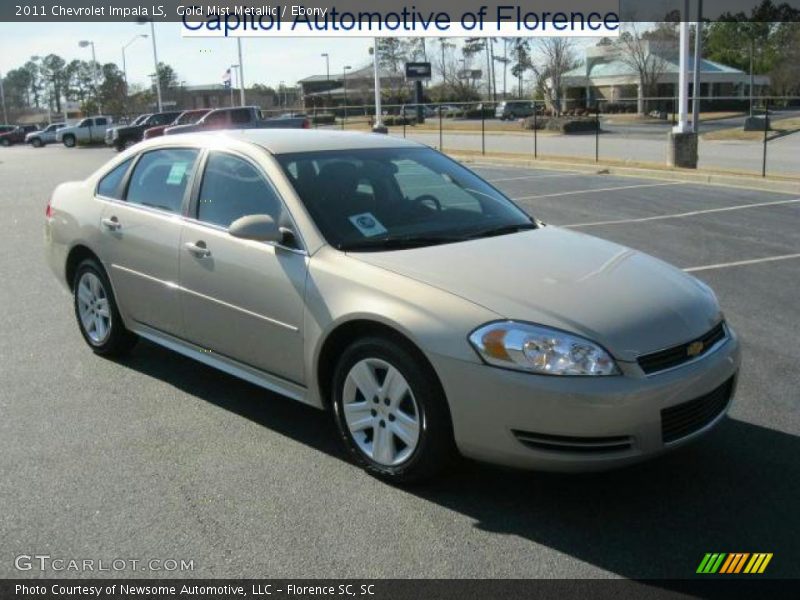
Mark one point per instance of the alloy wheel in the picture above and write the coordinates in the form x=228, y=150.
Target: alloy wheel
x=381, y=412
x=93, y=308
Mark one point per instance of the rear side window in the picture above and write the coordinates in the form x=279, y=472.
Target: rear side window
x=240, y=116
x=160, y=178
x=110, y=185
x=101, y=121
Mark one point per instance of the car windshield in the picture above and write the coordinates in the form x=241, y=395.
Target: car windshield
x=378, y=199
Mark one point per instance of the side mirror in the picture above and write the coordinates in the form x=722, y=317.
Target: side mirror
x=259, y=228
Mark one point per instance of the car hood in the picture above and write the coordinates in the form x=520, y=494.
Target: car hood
x=629, y=302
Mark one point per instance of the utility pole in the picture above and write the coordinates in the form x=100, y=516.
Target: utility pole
x=378, y=127
x=327, y=74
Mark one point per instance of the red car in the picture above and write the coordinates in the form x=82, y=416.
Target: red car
x=187, y=117
x=15, y=135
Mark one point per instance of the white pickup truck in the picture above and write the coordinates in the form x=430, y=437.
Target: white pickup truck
x=91, y=130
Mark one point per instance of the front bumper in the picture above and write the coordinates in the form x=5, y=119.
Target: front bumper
x=584, y=423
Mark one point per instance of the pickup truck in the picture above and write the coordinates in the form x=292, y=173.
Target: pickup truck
x=16, y=135
x=187, y=117
x=91, y=130
x=244, y=117
x=37, y=139
x=123, y=136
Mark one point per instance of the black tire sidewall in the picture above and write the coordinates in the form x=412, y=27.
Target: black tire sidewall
x=119, y=340
x=435, y=427
x=5, y=143
x=69, y=141
x=36, y=143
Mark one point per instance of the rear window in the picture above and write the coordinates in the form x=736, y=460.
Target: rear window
x=160, y=178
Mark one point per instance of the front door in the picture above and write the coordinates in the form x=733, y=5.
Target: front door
x=142, y=229
x=241, y=299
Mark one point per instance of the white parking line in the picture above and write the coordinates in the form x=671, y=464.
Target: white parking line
x=540, y=176
x=611, y=189
x=739, y=263
x=684, y=214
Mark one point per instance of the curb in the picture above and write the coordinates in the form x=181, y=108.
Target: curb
x=703, y=177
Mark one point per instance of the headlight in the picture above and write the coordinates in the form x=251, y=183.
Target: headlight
x=541, y=350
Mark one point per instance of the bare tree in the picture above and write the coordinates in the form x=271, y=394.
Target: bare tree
x=636, y=51
x=555, y=56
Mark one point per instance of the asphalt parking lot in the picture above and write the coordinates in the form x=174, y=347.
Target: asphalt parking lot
x=160, y=457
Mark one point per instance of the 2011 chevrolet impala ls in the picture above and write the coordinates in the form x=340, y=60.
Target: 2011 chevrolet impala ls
x=377, y=278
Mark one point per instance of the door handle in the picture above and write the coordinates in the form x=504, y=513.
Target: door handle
x=112, y=224
x=198, y=249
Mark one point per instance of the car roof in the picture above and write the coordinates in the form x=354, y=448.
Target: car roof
x=287, y=141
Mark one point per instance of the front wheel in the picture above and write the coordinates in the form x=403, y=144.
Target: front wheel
x=36, y=143
x=97, y=313
x=69, y=141
x=391, y=412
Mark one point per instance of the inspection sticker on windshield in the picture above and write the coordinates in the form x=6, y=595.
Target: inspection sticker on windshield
x=367, y=224
x=176, y=173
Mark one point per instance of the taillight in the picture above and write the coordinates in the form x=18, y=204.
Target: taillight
x=306, y=124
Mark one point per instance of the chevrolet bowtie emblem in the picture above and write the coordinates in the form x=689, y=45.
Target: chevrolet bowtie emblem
x=694, y=348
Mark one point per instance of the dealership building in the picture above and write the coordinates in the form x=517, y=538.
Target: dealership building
x=604, y=76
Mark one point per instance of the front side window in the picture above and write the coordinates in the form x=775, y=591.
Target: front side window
x=85, y=123
x=160, y=178
x=397, y=197
x=110, y=185
x=233, y=188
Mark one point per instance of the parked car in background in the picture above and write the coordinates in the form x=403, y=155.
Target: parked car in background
x=37, y=139
x=126, y=135
x=7, y=128
x=91, y=130
x=187, y=117
x=378, y=279
x=243, y=117
x=514, y=109
x=16, y=135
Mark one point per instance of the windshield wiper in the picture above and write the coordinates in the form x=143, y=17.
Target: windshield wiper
x=501, y=230
x=398, y=243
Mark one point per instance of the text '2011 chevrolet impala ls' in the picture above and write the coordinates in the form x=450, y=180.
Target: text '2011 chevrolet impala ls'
x=380, y=279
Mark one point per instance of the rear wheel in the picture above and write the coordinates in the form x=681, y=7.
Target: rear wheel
x=391, y=412
x=4, y=142
x=69, y=141
x=97, y=313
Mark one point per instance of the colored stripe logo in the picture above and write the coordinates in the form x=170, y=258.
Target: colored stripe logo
x=734, y=563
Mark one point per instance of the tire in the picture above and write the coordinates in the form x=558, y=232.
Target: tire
x=120, y=146
x=5, y=143
x=97, y=314
x=69, y=141
x=36, y=143
x=395, y=417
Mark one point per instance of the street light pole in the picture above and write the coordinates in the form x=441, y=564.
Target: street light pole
x=378, y=127
x=155, y=62
x=125, y=64
x=698, y=50
x=344, y=84
x=241, y=71
x=328, y=74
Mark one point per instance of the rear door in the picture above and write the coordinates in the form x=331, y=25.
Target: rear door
x=241, y=299
x=98, y=129
x=142, y=227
